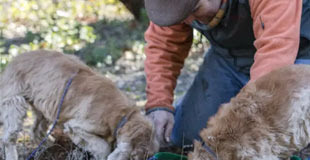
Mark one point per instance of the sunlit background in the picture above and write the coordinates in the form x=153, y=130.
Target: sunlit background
x=98, y=31
x=99, y=28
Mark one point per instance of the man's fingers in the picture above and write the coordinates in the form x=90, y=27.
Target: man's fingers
x=160, y=130
x=168, y=130
x=163, y=122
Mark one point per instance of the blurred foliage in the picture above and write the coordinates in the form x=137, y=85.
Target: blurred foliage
x=99, y=31
x=63, y=25
x=115, y=37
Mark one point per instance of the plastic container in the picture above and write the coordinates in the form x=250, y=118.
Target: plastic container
x=167, y=156
x=295, y=158
x=172, y=156
x=298, y=158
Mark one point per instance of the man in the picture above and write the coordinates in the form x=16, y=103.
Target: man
x=248, y=38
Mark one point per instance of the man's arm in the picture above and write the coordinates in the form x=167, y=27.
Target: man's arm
x=166, y=50
x=276, y=26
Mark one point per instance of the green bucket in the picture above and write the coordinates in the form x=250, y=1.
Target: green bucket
x=172, y=156
x=167, y=156
x=295, y=158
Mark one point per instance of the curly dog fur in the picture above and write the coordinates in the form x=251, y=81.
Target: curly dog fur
x=268, y=120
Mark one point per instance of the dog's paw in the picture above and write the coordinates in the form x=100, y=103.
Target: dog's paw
x=118, y=155
x=121, y=152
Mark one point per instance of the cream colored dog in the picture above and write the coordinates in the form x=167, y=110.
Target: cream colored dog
x=268, y=120
x=90, y=114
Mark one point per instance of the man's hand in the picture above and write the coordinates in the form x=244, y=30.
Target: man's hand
x=163, y=121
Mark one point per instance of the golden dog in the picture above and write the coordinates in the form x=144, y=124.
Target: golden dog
x=268, y=120
x=91, y=112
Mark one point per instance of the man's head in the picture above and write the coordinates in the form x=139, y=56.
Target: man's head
x=170, y=12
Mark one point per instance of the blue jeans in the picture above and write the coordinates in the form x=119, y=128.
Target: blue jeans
x=217, y=81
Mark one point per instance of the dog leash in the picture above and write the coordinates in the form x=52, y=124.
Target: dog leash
x=209, y=150
x=68, y=84
x=120, y=124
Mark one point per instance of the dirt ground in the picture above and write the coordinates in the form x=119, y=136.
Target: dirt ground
x=129, y=77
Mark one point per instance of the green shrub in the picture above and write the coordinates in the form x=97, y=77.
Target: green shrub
x=62, y=25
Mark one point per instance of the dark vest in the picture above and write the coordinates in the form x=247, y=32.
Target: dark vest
x=234, y=35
